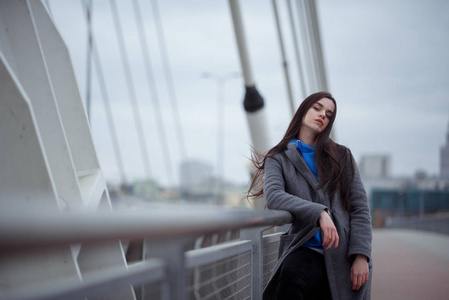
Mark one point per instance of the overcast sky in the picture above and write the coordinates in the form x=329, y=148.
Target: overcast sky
x=386, y=61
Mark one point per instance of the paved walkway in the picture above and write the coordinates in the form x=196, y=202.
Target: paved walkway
x=410, y=265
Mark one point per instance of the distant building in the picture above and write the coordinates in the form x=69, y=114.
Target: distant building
x=147, y=188
x=197, y=180
x=406, y=202
x=194, y=173
x=375, y=166
x=444, y=158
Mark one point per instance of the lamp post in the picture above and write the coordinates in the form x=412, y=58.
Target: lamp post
x=221, y=81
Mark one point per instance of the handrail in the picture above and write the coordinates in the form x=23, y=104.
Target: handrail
x=165, y=231
x=43, y=229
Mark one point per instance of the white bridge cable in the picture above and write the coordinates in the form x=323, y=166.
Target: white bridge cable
x=131, y=91
x=109, y=118
x=169, y=80
x=317, y=48
x=297, y=51
x=47, y=3
x=106, y=103
x=88, y=9
x=153, y=91
x=284, y=59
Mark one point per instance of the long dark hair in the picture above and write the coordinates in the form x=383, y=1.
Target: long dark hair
x=331, y=159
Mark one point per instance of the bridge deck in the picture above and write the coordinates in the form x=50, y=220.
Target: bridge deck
x=410, y=264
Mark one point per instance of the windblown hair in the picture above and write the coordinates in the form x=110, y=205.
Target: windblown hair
x=331, y=158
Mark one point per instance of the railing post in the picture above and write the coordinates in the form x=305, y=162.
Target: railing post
x=255, y=235
x=173, y=253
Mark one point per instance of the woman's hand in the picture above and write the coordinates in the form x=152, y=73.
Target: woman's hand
x=329, y=231
x=359, y=272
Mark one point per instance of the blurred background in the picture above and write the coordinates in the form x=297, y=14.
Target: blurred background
x=386, y=64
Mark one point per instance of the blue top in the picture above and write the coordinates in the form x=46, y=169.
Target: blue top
x=307, y=153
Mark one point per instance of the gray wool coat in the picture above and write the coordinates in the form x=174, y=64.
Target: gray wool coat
x=290, y=185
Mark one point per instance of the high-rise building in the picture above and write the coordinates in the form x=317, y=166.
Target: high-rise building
x=196, y=177
x=444, y=158
x=375, y=166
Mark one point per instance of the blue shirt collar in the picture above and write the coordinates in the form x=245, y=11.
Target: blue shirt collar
x=301, y=146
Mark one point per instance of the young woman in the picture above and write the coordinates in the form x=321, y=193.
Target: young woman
x=326, y=253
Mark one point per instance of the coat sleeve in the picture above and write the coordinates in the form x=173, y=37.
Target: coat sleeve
x=305, y=212
x=360, y=218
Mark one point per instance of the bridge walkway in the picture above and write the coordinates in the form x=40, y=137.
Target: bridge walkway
x=410, y=265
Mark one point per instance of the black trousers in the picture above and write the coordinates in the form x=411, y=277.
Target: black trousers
x=303, y=276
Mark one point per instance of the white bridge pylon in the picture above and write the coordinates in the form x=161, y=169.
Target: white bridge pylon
x=47, y=157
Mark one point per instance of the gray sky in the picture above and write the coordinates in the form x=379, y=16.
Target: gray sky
x=386, y=62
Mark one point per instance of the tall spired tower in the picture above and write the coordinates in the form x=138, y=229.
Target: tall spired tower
x=444, y=158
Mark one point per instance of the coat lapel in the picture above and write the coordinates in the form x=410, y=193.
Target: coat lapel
x=300, y=164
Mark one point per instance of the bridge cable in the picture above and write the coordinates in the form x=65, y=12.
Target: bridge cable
x=297, y=52
x=131, y=91
x=170, y=82
x=153, y=91
x=107, y=106
x=89, y=57
x=284, y=59
x=106, y=103
x=47, y=3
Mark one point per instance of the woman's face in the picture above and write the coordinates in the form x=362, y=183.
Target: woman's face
x=318, y=116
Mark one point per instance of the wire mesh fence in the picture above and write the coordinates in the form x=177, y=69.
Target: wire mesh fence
x=228, y=278
x=270, y=256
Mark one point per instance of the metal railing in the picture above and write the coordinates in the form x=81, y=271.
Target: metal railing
x=438, y=222
x=236, y=269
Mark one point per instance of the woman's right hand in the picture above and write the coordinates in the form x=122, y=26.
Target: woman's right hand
x=329, y=231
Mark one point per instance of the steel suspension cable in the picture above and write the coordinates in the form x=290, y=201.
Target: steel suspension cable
x=47, y=3
x=297, y=52
x=169, y=80
x=284, y=59
x=305, y=32
x=89, y=56
x=153, y=91
x=317, y=49
x=109, y=118
x=131, y=91
x=106, y=103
